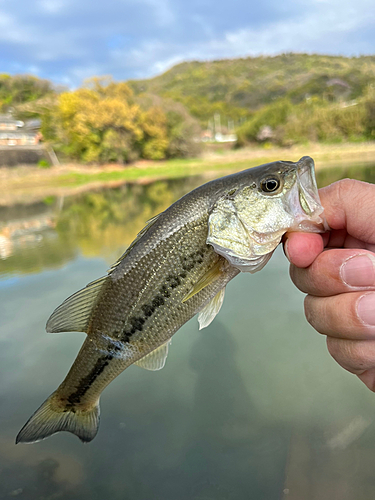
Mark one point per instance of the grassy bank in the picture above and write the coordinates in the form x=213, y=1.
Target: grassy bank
x=23, y=183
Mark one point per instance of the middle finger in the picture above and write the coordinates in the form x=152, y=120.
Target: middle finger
x=336, y=271
x=347, y=316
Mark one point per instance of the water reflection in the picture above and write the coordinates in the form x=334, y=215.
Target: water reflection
x=360, y=171
x=227, y=428
x=251, y=407
x=101, y=223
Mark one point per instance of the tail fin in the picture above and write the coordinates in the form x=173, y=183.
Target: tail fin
x=51, y=418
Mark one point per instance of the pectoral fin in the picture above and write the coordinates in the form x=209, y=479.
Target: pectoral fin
x=156, y=359
x=211, y=275
x=210, y=310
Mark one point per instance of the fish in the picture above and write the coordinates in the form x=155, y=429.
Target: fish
x=178, y=266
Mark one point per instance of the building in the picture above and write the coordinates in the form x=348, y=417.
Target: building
x=18, y=133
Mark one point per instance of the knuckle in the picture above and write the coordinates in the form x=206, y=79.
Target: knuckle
x=295, y=276
x=350, y=354
x=311, y=312
x=345, y=186
x=334, y=347
x=339, y=190
x=321, y=278
x=307, y=280
x=335, y=316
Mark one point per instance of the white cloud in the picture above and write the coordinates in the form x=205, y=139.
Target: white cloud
x=327, y=31
x=52, y=6
x=163, y=11
x=10, y=30
x=330, y=29
x=149, y=36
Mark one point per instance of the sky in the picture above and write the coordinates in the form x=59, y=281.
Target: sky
x=68, y=41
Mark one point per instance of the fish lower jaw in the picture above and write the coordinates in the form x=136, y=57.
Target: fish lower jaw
x=250, y=263
x=316, y=223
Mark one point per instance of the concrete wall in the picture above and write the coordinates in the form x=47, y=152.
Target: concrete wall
x=11, y=156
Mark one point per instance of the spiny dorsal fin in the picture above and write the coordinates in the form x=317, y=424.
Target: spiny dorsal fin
x=74, y=313
x=143, y=231
x=211, y=275
x=156, y=359
x=210, y=310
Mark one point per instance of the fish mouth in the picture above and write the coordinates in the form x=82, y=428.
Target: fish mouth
x=307, y=187
x=305, y=201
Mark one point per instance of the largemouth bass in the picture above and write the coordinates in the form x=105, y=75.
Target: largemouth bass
x=178, y=266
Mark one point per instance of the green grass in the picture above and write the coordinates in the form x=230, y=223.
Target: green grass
x=172, y=169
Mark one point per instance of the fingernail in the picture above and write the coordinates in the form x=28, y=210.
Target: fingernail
x=358, y=271
x=366, y=309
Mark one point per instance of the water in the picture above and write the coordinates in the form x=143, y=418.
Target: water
x=251, y=407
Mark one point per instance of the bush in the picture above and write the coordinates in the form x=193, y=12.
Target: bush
x=44, y=164
x=312, y=120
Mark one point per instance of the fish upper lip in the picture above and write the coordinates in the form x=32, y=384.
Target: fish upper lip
x=307, y=187
x=307, y=184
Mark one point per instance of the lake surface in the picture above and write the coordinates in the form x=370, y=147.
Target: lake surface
x=251, y=407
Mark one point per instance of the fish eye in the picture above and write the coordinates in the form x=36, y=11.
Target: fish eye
x=270, y=184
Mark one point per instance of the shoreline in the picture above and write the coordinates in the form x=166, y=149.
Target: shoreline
x=25, y=184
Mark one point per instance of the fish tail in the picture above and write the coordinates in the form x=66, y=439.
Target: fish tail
x=52, y=417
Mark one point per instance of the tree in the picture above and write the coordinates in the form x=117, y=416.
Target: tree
x=100, y=122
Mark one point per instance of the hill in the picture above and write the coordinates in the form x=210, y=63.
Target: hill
x=282, y=100
x=18, y=90
x=237, y=87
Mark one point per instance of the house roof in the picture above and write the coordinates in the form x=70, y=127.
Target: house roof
x=16, y=134
x=9, y=119
x=33, y=124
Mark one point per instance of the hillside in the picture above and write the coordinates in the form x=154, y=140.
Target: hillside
x=282, y=100
x=20, y=90
x=237, y=87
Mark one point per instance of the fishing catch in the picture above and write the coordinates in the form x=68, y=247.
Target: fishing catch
x=178, y=266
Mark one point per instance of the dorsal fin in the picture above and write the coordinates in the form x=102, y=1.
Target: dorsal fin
x=155, y=360
x=143, y=231
x=74, y=313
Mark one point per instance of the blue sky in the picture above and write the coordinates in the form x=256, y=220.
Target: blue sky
x=70, y=40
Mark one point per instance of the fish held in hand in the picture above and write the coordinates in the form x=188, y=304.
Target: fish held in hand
x=178, y=266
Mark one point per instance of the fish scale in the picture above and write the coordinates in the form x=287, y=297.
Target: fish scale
x=156, y=329
x=178, y=266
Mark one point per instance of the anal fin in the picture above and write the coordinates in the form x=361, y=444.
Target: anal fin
x=210, y=310
x=156, y=359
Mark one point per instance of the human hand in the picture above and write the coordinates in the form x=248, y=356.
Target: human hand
x=337, y=271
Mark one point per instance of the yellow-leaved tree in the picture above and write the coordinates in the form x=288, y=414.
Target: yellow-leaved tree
x=155, y=141
x=103, y=122
x=100, y=122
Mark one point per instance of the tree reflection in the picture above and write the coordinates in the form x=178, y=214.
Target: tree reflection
x=99, y=223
